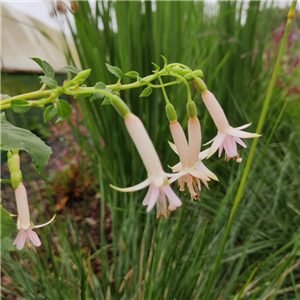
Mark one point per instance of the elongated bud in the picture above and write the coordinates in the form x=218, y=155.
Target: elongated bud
x=171, y=113
x=119, y=105
x=14, y=168
x=79, y=79
x=191, y=109
x=190, y=77
x=200, y=85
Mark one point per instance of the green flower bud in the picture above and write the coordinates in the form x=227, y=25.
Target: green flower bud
x=189, y=76
x=80, y=78
x=200, y=85
x=191, y=109
x=119, y=105
x=171, y=113
x=14, y=168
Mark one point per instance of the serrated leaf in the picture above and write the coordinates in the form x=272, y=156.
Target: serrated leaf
x=47, y=68
x=7, y=244
x=165, y=60
x=8, y=226
x=133, y=74
x=115, y=71
x=64, y=109
x=146, y=92
x=106, y=101
x=49, y=81
x=49, y=113
x=68, y=68
x=21, y=139
x=3, y=116
x=157, y=67
x=20, y=106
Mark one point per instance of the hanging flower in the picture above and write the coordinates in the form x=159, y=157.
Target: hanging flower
x=25, y=226
x=227, y=136
x=159, y=188
x=189, y=154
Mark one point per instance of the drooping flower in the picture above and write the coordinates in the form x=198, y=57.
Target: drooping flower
x=189, y=154
x=25, y=226
x=159, y=188
x=227, y=136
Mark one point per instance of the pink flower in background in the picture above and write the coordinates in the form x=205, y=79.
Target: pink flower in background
x=227, y=136
x=159, y=189
x=189, y=155
x=25, y=226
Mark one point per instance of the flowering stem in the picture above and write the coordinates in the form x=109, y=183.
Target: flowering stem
x=164, y=91
x=239, y=194
x=186, y=83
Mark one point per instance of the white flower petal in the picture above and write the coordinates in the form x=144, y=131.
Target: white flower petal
x=173, y=198
x=194, y=131
x=203, y=169
x=34, y=238
x=203, y=154
x=153, y=197
x=243, y=126
x=132, y=188
x=22, y=206
x=199, y=175
x=20, y=239
x=45, y=224
x=173, y=147
x=241, y=134
x=209, y=142
x=176, y=168
x=216, y=144
x=239, y=141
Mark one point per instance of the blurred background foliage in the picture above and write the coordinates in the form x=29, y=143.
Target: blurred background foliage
x=236, y=46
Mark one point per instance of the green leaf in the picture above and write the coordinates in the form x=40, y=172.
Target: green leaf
x=3, y=117
x=114, y=70
x=71, y=69
x=47, y=68
x=49, y=113
x=106, y=101
x=20, y=106
x=7, y=244
x=21, y=139
x=99, y=96
x=49, y=81
x=146, y=92
x=133, y=74
x=8, y=226
x=64, y=109
x=157, y=67
x=165, y=60
x=100, y=86
x=5, y=181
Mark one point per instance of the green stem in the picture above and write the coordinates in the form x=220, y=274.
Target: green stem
x=186, y=83
x=251, y=154
x=164, y=91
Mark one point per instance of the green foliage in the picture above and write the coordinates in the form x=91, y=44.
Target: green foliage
x=8, y=226
x=64, y=109
x=51, y=83
x=115, y=71
x=21, y=139
x=20, y=106
x=70, y=69
x=146, y=92
x=50, y=112
x=47, y=68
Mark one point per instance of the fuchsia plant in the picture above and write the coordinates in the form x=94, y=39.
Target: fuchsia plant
x=190, y=171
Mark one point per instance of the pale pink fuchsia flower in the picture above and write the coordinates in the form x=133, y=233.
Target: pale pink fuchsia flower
x=190, y=155
x=227, y=136
x=159, y=189
x=25, y=226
